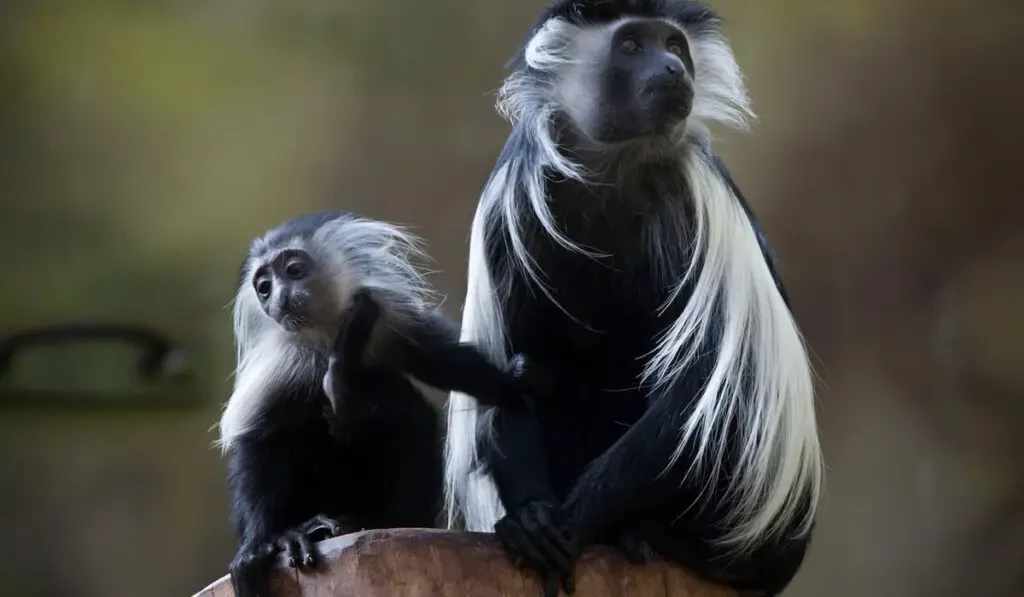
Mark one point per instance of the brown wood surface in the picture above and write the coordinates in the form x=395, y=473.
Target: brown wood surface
x=435, y=563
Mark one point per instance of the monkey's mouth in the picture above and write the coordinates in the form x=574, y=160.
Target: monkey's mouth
x=292, y=322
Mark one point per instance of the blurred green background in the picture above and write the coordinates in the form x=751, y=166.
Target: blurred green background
x=142, y=144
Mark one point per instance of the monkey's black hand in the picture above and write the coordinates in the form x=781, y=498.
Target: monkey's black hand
x=534, y=379
x=250, y=570
x=339, y=424
x=356, y=328
x=345, y=363
x=297, y=544
x=533, y=539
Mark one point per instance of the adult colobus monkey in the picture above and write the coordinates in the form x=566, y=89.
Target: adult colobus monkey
x=612, y=247
x=327, y=432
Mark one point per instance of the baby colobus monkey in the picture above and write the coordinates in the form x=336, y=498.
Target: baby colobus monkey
x=326, y=430
x=612, y=247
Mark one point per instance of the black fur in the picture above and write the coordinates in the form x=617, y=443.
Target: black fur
x=598, y=443
x=586, y=463
x=368, y=456
x=384, y=471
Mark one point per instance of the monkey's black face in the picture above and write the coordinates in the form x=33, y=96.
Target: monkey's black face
x=287, y=287
x=642, y=82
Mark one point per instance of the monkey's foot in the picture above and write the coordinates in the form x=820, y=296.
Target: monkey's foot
x=250, y=569
x=534, y=540
x=297, y=544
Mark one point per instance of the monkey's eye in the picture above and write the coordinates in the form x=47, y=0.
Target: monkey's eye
x=295, y=270
x=675, y=47
x=630, y=45
x=263, y=287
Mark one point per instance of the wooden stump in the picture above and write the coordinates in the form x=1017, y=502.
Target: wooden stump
x=436, y=563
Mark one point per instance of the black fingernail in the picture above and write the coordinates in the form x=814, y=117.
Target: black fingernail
x=292, y=562
x=309, y=560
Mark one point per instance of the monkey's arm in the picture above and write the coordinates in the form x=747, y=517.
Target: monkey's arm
x=430, y=351
x=514, y=451
x=620, y=489
x=266, y=510
x=628, y=476
x=531, y=532
x=252, y=471
x=345, y=363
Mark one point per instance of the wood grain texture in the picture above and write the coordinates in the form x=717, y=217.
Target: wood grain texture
x=436, y=563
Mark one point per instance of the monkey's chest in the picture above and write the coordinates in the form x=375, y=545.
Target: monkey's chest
x=600, y=319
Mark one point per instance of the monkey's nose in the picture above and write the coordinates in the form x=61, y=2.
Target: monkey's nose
x=667, y=81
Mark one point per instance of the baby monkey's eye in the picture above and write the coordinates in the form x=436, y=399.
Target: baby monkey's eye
x=675, y=47
x=263, y=287
x=295, y=270
x=630, y=45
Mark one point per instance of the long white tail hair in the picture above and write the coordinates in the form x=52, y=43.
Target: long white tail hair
x=776, y=485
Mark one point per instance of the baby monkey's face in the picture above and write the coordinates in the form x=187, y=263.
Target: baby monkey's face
x=291, y=289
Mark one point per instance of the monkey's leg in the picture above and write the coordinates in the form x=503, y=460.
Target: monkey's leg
x=249, y=570
x=764, y=572
x=530, y=531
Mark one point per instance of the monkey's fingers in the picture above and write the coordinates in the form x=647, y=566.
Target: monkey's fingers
x=525, y=556
x=540, y=518
x=518, y=546
x=363, y=298
x=289, y=545
x=330, y=526
x=308, y=554
x=546, y=538
x=357, y=325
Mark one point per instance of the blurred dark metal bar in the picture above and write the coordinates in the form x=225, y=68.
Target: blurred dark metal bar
x=160, y=361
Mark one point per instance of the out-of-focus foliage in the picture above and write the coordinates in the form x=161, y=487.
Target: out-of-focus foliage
x=143, y=144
